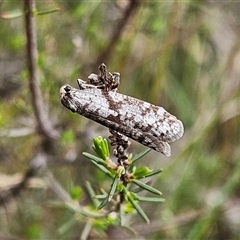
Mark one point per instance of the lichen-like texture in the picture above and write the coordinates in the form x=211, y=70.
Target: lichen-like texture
x=148, y=124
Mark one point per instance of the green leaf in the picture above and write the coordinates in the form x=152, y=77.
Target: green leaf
x=111, y=192
x=100, y=146
x=100, y=196
x=92, y=194
x=120, y=186
x=103, y=203
x=49, y=11
x=113, y=187
x=12, y=14
x=105, y=170
x=146, y=187
x=154, y=172
x=141, y=154
x=97, y=147
x=149, y=199
x=106, y=147
x=141, y=172
x=120, y=171
x=137, y=207
x=94, y=158
x=83, y=211
x=128, y=207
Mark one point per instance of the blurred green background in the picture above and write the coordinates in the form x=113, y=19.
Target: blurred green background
x=183, y=56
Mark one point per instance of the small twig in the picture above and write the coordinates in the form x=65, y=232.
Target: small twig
x=57, y=188
x=44, y=124
x=16, y=132
x=38, y=162
x=107, y=53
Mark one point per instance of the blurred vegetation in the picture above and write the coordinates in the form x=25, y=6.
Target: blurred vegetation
x=183, y=56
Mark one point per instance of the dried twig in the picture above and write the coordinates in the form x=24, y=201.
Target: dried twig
x=45, y=127
x=38, y=162
x=128, y=14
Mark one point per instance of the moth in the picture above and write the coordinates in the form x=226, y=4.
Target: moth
x=141, y=121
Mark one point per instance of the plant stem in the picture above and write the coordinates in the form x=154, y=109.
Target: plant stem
x=44, y=125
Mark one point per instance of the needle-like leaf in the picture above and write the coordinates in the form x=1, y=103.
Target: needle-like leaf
x=146, y=187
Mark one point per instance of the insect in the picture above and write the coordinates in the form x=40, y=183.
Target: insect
x=141, y=121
